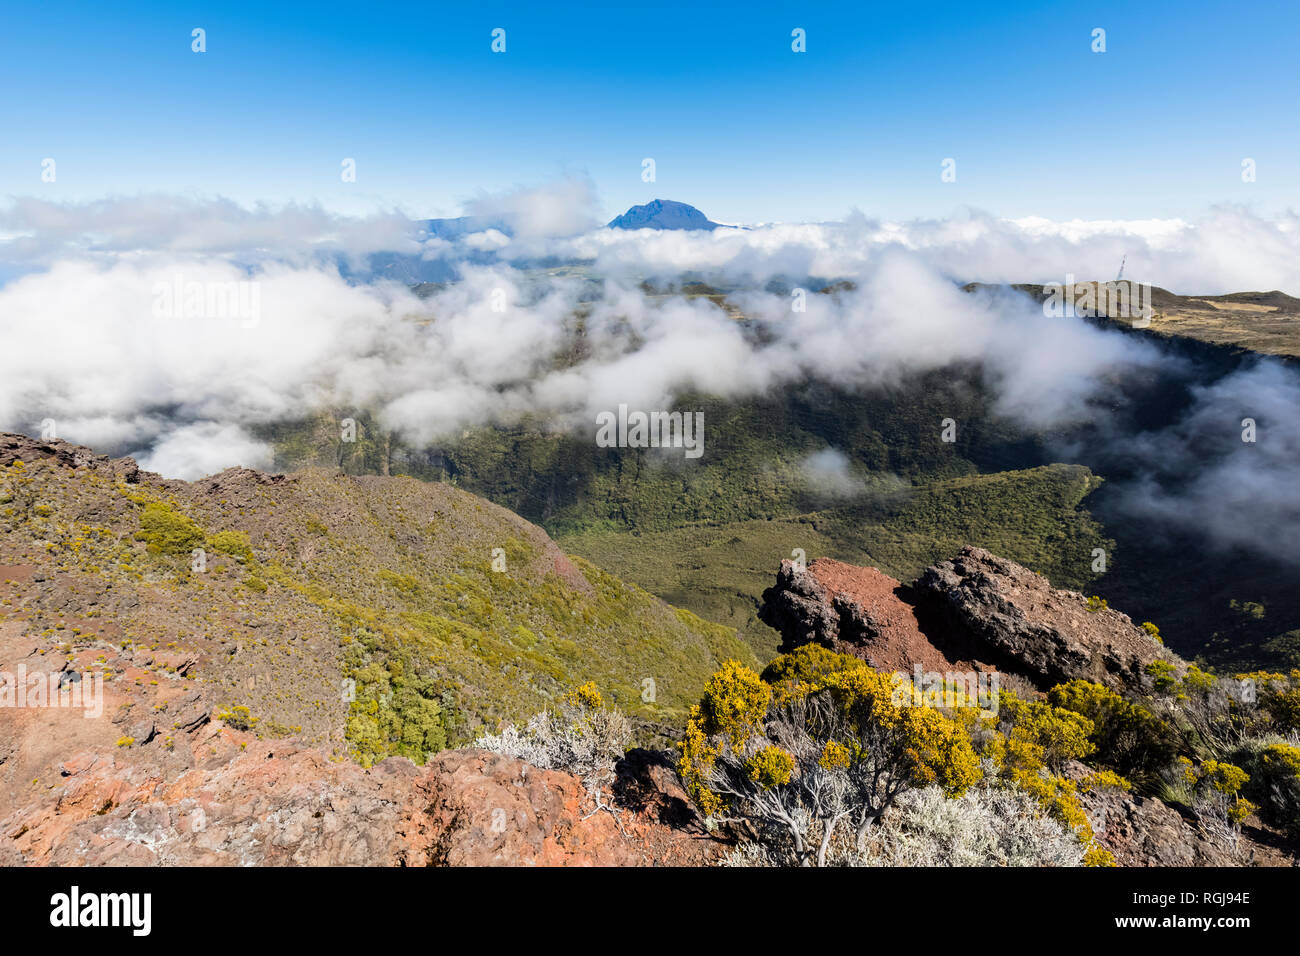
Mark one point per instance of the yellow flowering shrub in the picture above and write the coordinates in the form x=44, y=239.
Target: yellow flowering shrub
x=1223, y=777
x=731, y=711
x=734, y=704
x=770, y=767
x=805, y=669
x=835, y=754
x=1125, y=737
x=1275, y=785
x=1034, y=740
x=585, y=696
x=1041, y=733
x=1104, y=779
x=872, y=718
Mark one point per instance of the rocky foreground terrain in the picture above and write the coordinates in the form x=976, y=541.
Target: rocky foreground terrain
x=220, y=736
x=265, y=646
x=249, y=802
x=980, y=612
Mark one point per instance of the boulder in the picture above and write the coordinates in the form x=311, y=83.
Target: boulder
x=850, y=610
x=1016, y=620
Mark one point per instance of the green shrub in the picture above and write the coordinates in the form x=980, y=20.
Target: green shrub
x=168, y=531
x=238, y=717
x=397, y=711
x=1126, y=737
x=1274, y=782
x=233, y=543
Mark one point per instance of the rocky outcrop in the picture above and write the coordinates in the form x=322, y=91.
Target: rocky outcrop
x=851, y=610
x=486, y=809
x=269, y=805
x=977, y=611
x=1017, y=620
x=1144, y=831
x=15, y=447
x=251, y=803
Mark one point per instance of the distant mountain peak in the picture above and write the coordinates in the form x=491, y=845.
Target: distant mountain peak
x=662, y=214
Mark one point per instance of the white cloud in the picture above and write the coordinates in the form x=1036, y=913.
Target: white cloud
x=562, y=207
x=829, y=473
x=83, y=344
x=205, y=448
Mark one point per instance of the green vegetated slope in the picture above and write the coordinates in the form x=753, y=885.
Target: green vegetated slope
x=1032, y=516
x=705, y=533
x=708, y=534
x=449, y=613
x=749, y=469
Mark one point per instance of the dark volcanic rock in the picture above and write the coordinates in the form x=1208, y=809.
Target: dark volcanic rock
x=14, y=447
x=977, y=611
x=800, y=609
x=1144, y=831
x=1018, y=621
x=647, y=783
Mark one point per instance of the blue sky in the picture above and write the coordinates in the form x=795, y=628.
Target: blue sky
x=737, y=123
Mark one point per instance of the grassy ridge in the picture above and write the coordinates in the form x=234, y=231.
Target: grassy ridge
x=398, y=615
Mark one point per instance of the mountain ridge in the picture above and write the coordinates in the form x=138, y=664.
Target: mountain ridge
x=448, y=614
x=663, y=214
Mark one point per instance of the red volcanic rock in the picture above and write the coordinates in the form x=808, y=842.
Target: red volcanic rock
x=486, y=809
x=851, y=610
x=977, y=611
x=263, y=804
x=151, y=777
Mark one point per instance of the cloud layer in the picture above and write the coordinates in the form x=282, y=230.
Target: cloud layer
x=86, y=342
